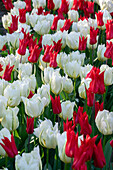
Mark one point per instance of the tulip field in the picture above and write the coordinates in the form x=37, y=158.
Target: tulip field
x=56, y=85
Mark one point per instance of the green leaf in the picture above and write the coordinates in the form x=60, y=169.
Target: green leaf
x=49, y=167
x=108, y=152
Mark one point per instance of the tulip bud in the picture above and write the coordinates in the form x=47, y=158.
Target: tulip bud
x=30, y=125
x=73, y=15
x=100, y=52
x=72, y=40
x=67, y=85
x=56, y=83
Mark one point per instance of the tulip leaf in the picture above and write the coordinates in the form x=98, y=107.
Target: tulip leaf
x=107, y=153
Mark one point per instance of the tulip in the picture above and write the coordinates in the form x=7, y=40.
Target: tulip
x=64, y=6
x=22, y=15
x=33, y=58
x=30, y=125
x=104, y=122
x=7, y=73
x=68, y=125
x=53, y=57
x=100, y=18
x=98, y=107
x=109, y=51
x=22, y=46
x=8, y=4
x=91, y=7
x=67, y=85
x=82, y=43
x=67, y=25
x=57, y=46
x=98, y=156
x=75, y=5
x=50, y=4
x=56, y=105
x=54, y=24
x=28, y=5
x=9, y=146
x=93, y=35
x=21, y=162
x=14, y=25
x=67, y=110
x=109, y=29
x=61, y=140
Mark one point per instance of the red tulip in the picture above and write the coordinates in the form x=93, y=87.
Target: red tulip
x=68, y=125
x=86, y=128
x=22, y=46
x=28, y=5
x=7, y=73
x=56, y=105
x=64, y=6
x=97, y=83
x=46, y=56
x=82, y=43
x=109, y=29
x=53, y=57
x=1, y=69
x=98, y=156
x=76, y=115
x=75, y=5
x=90, y=7
x=72, y=143
x=100, y=18
x=57, y=46
x=30, y=95
x=33, y=58
x=31, y=44
x=14, y=25
x=10, y=146
x=50, y=4
x=90, y=97
x=30, y=125
x=109, y=51
x=111, y=143
x=54, y=24
x=98, y=107
x=22, y=15
x=67, y=25
x=8, y=4
x=93, y=35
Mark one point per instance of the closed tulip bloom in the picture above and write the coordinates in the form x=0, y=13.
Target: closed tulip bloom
x=67, y=25
x=67, y=110
x=93, y=36
x=54, y=24
x=30, y=125
x=53, y=57
x=28, y=5
x=67, y=85
x=33, y=58
x=109, y=51
x=56, y=105
x=75, y=5
x=9, y=146
x=22, y=15
x=104, y=122
x=101, y=52
x=98, y=107
x=100, y=18
x=10, y=119
x=98, y=156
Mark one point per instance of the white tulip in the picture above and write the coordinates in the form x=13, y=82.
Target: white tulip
x=85, y=70
x=3, y=85
x=19, y=4
x=25, y=70
x=10, y=119
x=72, y=40
x=47, y=134
x=62, y=59
x=3, y=105
x=72, y=69
x=34, y=106
x=39, y=3
x=104, y=122
x=73, y=15
x=31, y=80
x=56, y=83
x=29, y=161
x=12, y=93
x=42, y=27
x=67, y=110
x=100, y=53
x=3, y=40
x=67, y=85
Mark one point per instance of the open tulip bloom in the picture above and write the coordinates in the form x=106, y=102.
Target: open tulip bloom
x=56, y=85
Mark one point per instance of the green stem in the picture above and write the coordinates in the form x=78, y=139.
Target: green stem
x=54, y=118
x=29, y=138
x=47, y=158
x=74, y=86
x=6, y=160
x=22, y=111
